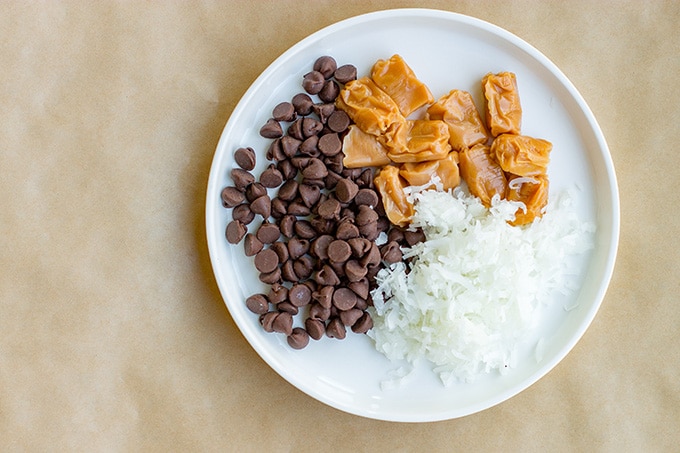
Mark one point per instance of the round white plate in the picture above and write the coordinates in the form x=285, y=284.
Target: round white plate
x=446, y=51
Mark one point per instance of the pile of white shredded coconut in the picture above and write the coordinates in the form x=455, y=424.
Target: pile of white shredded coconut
x=475, y=284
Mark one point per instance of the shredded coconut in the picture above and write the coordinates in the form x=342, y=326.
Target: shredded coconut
x=473, y=287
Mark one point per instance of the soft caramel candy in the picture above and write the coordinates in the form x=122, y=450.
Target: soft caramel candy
x=421, y=173
x=482, y=174
x=399, y=81
x=391, y=187
x=458, y=111
x=368, y=106
x=534, y=195
x=522, y=155
x=418, y=141
x=363, y=150
x=503, y=109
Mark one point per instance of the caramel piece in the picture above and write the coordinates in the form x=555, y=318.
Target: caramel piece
x=418, y=141
x=522, y=155
x=391, y=187
x=421, y=173
x=482, y=174
x=363, y=150
x=534, y=195
x=458, y=111
x=503, y=109
x=368, y=106
x=399, y=81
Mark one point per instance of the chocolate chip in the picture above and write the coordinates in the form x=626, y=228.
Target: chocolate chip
x=338, y=121
x=363, y=324
x=266, y=260
x=271, y=277
x=277, y=293
x=257, y=303
x=320, y=245
x=330, y=144
x=245, y=158
x=281, y=250
x=279, y=208
x=304, y=229
x=315, y=328
x=372, y=257
x=345, y=73
x=262, y=206
x=284, y=111
x=268, y=233
x=366, y=197
x=231, y=196
x=346, y=190
x=351, y=316
x=324, y=110
x=267, y=320
x=302, y=104
x=283, y=323
x=319, y=313
x=329, y=209
x=298, y=208
x=310, y=127
x=344, y=298
x=287, y=225
x=313, y=82
x=339, y=251
x=235, y=231
x=315, y=169
x=298, y=339
x=310, y=194
x=290, y=145
x=288, y=272
x=326, y=65
x=360, y=246
x=329, y=91
x=391, y=252
x=299, y=295
x=354, y=271
x=336, y=329
x=295, y=129
x=414, y=237
x=360, y=288
x=326, y=276
x=271, y=177
x=287, y=307
x=241, y=178
x=251, y=245
x=243, y=214
x=297, y=247
x=366, y=215
x=324, y=296
x=309, y=146
x=303, y=267
x=255, y=190
x=275, y=152
x=289, y=190
x=271, y=129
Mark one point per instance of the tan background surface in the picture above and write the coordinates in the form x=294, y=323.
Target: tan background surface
x=113, y=335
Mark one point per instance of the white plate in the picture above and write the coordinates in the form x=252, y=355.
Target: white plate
x=446, y=51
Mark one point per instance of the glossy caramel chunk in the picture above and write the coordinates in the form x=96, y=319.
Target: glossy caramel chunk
x=418, y=141
x=522, y=155
x=391, y=188
x=421, y=173
x=482, y=174
x=363, y=150
x=398, y=80
x=534, y=195
x=458, y=111
x=368, y=106
x=503, y=109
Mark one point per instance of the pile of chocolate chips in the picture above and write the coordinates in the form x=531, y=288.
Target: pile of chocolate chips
x=316, y=243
